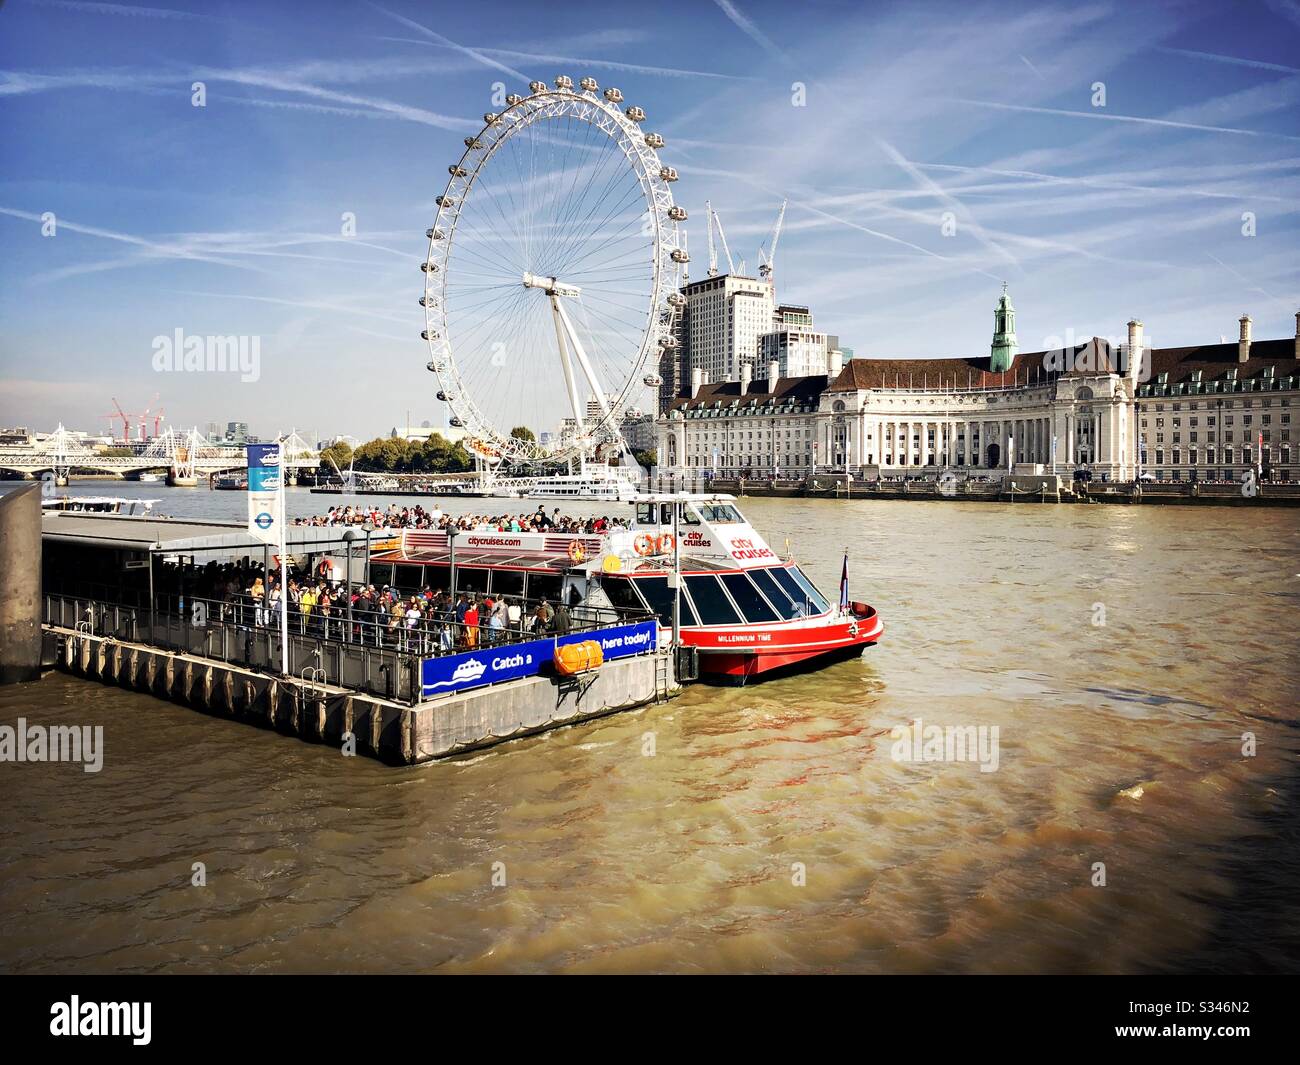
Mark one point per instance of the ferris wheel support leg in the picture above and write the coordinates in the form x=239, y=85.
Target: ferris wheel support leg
x=561, y=327
x=587, y=371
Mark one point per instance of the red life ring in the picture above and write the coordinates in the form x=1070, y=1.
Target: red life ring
x=576, y=553
x=665, y=543
x=644, y=544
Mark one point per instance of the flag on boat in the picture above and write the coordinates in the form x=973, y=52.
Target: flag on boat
x=844, y=583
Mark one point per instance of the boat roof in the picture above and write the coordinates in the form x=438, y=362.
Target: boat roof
x=682, y=497
x=539, y=560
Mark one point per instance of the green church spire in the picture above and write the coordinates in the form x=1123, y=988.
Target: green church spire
x=1004, y=334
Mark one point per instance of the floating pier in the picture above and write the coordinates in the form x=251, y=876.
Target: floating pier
x=366, y=724
x=404, y=696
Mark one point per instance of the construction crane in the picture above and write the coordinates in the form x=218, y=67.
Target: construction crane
x=722, y=236
x=144, y=418
x=126, y=420
x=713, y=251
x=768, y=259
x=157, y=422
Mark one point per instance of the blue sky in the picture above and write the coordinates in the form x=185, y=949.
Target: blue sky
x=226, y=219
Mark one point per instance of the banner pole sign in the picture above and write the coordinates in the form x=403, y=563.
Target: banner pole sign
x=266, y=522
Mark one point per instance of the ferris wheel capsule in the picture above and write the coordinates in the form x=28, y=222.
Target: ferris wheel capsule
x=537, y=86
x=456, y=170
x=491, y=118
x=676, y=299
x=514, y=98
x=588, y=84
x=677, y=214
x=667, y=173
x=613, y=95
x=428, y=334
x=564, y=82
x=652, y=380
x=668, y=341
x=445, y=201
x=429, y=268
x=635, y=114
x=455, y=423
x=679, y=256
x=473, y=143
x=435, y=234
x=654, y=140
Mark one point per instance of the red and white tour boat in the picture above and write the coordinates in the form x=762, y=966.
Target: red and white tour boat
x=749, y=612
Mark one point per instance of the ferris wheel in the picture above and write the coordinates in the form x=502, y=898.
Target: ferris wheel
x=553, y=273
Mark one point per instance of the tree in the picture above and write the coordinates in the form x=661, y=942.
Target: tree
x=649, y=458
x=340, y=453
x=522, y=432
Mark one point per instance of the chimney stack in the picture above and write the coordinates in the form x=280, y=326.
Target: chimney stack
x=1135, y=345
x=746, y=376
x=697, y=379
x=834, y=363
x=774, y=368
x=1243, y=342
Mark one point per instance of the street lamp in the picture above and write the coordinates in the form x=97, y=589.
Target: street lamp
x=349, y=536
x=452, y=533
x=369, y=526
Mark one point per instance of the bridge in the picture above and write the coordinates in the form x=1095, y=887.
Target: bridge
x=185, y=456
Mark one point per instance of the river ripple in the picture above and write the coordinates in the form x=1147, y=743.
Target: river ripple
x=1119, y=743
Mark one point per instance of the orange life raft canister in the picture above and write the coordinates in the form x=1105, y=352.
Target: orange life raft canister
x=571, y=658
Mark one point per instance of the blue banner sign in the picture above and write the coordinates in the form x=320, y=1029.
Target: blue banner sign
x=619, y=641
x=491, y=665
x=487, y=665
x=264, y=467
x=264, y=486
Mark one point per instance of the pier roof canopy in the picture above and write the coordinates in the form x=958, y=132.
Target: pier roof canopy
x=212, y=538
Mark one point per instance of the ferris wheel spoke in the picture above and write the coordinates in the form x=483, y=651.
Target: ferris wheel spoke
x=584, y=228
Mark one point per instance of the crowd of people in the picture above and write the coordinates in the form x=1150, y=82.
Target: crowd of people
x=427, y=621
x=416, y=517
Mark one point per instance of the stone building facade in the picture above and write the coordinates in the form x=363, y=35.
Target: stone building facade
x=1120, y=412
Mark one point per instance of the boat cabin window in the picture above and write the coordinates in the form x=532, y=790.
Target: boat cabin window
x=408, y=578
x=787, y=607
x=544, y=586
x=508, y=582
x=437, y=577
x=802, y=603
x=381, y=573
x=752, y=605
x=719, y=513
x=471, y=579
x=808, y=592
x=621, y=594
x=660, y=599
x=710, y=602
x=662, y=514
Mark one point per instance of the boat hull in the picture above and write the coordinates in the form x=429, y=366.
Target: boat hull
x=739, y=656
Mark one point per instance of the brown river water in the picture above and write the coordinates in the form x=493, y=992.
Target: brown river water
x=770, y=830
